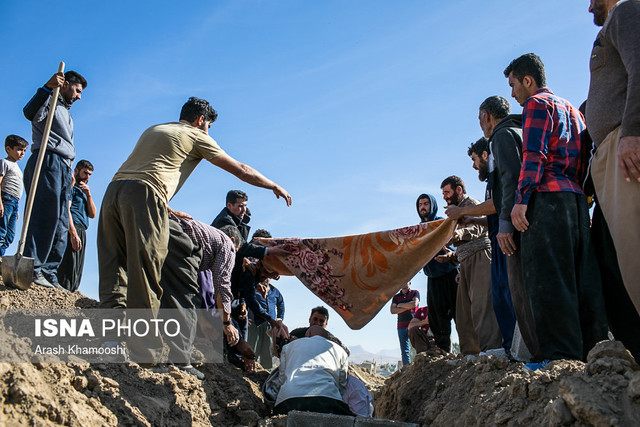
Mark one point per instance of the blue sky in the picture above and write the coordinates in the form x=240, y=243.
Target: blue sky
x=355, y=107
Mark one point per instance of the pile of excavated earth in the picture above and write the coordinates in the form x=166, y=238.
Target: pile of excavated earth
x=433, y=390
x=491, y=391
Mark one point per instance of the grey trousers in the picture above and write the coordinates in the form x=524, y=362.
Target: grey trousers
x=520, y=300
x=180, y=292
x=70, y=269
x=260, y=342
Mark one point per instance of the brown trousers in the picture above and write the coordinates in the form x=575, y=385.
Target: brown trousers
x=420, y=340
x=133, y=236
x=475, y=319
x=620, y=204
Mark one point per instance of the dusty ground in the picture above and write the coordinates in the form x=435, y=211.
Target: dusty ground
x=123, y=394
x=489, y=391
x=433, y=390
x=117, y=394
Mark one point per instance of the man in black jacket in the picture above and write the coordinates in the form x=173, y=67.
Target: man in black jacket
x=504, y=160
x=236, y=214
x=441, y=282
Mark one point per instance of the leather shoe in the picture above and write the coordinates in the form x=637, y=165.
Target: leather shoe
x=40, y=280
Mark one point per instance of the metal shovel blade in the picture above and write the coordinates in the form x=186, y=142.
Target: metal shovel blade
x=17, y=271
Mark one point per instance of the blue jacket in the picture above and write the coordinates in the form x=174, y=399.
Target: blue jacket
x=273, y=304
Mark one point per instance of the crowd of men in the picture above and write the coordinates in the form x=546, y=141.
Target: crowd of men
x=530, y=258
x=151, y=256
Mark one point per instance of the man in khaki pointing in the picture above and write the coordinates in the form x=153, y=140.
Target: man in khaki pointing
x=133, y=229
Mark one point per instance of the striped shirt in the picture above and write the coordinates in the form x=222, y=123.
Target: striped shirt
x=551, y=159
x=218, y=255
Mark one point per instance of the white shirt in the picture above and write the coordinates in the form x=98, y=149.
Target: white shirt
x=11, y=178
x=358, y=397
x=311, y=367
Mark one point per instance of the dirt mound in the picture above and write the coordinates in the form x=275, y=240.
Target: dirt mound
x=373, y=381
x=432, y=390
x=39, y=297
x=441, y=391
x=117, y=394
x=80, y=394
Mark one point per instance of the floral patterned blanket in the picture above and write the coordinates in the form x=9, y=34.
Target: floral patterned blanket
x=357, y=275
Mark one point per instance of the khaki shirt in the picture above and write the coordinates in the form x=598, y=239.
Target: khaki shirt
x=165, y=156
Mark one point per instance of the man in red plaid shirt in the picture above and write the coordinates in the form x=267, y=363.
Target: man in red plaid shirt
x=560, y=274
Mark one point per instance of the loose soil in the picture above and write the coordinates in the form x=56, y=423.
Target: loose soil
x=433, y=390
x=444, y=391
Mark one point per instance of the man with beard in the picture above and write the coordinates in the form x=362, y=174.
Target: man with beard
x=320, y=317
x=47, y=233
x=560, y=273
x=441, y=282
x=500, y=295
x=613, y=121
x=81, y=208
x=502, y=169
x=475, y=319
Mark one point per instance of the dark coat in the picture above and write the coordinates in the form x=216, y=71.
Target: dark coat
x=433, y=267
x=505, y=144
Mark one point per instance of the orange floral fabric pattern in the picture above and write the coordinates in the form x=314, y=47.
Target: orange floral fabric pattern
x=357, y=275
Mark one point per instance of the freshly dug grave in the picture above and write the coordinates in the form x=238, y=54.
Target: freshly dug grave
x=489, y=391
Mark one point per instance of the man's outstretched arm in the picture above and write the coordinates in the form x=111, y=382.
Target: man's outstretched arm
x=249, y=175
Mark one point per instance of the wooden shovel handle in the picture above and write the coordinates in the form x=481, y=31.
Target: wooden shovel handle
x=36, y=172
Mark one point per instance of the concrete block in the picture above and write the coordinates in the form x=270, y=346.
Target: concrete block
x=306, y=419
x=379, y=422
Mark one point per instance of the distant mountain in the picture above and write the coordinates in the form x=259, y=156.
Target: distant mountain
x=392, y=352
x=359, y=355
x=357, y=349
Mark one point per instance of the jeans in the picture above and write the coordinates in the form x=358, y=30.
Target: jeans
x=8, y=221
x=46, y=238
x=501, y=296
x=403, y=336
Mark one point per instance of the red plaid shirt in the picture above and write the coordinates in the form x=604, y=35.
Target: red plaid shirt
x=551, y=158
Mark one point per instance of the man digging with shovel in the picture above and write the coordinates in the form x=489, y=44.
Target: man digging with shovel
x=47, y=232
